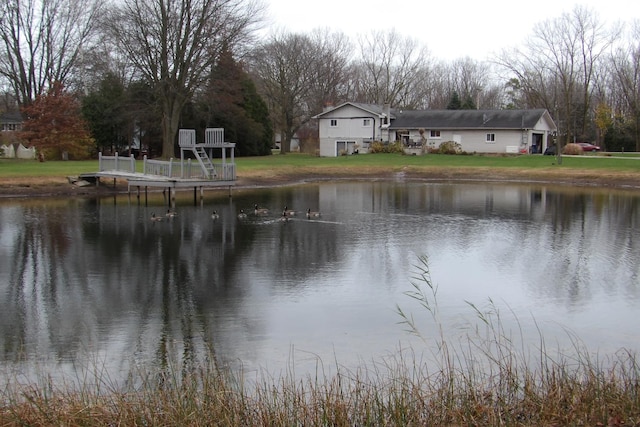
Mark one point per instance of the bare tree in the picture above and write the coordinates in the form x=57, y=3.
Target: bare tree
x=174, y=44
x=626, y=79
x=43, y=40
x=471, y=80
x=297, y=74
x=435, y=93
x=330, y=72
x=557, y=65
x=392, y=69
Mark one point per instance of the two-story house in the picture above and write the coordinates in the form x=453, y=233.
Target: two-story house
x=351, y=127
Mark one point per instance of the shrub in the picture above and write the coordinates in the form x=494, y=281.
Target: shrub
x=376, y=147
x=450, y=147
x=572, y=149
x=381, y=147
x=396, y=147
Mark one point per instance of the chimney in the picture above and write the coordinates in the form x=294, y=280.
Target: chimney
x=386, y=110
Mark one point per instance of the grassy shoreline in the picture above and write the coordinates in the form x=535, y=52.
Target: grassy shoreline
x=21, y=177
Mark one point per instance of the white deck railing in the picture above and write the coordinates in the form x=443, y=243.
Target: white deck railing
x=163, y=168
x=116, y=163
x=186, y=138
x=213, y=137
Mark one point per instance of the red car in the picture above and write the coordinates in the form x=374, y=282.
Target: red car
x=588, y=147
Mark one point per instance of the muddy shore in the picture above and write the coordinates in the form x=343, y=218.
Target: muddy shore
x=62, y=187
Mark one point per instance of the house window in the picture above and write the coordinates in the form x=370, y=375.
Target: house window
x=333, y=123
x=434, y=134
x=491, y=137
x=366, y=122
x=10, y=126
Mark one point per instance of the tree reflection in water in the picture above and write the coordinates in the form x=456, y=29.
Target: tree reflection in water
x=94, y=281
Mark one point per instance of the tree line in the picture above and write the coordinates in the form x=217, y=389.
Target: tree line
x=138, y=70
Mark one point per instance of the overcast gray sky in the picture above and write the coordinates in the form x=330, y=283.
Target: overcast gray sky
x=450, y=29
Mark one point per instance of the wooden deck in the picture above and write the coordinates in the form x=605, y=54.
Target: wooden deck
x=135, y=179
x=203, y=172
x=170, y=175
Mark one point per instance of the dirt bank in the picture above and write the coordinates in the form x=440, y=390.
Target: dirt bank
x=61, y=187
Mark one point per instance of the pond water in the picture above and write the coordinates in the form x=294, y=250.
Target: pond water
x=94, y=284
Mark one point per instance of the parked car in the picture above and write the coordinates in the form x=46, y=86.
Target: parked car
x=588, y=147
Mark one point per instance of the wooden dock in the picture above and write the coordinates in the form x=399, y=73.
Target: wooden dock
x=172, y=175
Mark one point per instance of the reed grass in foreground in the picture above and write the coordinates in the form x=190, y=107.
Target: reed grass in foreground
x=487, y=380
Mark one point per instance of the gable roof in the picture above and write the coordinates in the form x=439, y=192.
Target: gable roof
x=470, y=119
x=374, y=109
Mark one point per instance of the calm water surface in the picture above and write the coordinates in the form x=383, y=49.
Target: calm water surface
x=90, y=284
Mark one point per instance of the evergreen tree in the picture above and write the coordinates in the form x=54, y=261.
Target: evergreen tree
x=104, y=110
x=468, y=104
x=232, y=102
x=620, y=135
x=144, y=117
x=454, y=102
x=120, y=116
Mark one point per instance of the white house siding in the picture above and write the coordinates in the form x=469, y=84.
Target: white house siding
x=350, y=129
x=475, y=141
x=543, y=127
x=509, y=137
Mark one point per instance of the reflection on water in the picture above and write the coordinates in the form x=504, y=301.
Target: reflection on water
x=86, y=282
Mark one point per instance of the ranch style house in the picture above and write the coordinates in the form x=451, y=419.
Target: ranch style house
x=351, y=127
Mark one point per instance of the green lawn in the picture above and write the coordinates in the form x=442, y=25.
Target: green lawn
x=25, y=168
x=396, y=161
x=293, y=162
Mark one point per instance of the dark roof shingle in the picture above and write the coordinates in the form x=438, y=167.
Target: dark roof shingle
x=467, y=119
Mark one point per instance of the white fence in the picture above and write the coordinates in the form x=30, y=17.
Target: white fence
x=8, y=151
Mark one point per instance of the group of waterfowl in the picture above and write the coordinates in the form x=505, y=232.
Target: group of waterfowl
x=169, y=215
x=286, y=214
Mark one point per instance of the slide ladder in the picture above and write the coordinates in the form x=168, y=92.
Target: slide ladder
x=205, y=162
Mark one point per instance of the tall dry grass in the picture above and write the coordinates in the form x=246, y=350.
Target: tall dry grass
x=488, y=378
